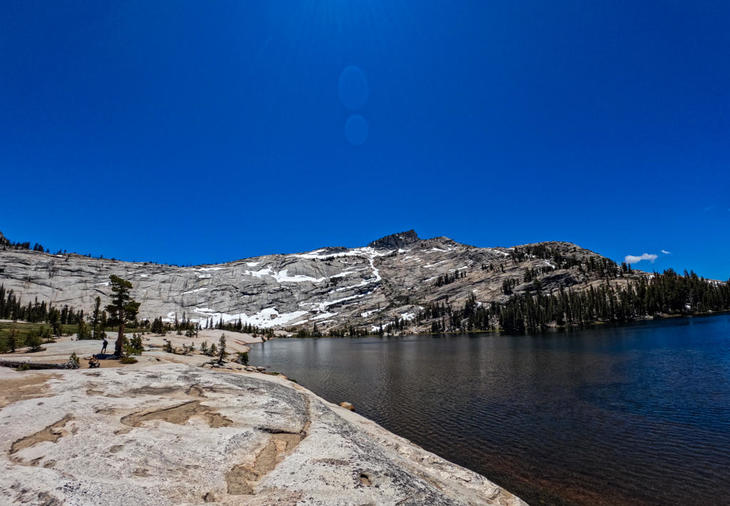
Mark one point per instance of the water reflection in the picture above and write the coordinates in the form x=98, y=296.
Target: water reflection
x=636, y=414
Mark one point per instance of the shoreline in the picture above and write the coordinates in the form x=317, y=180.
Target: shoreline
x=551, y=330
x=250, y=438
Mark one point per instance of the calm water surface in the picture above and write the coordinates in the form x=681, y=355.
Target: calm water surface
x=630, y=415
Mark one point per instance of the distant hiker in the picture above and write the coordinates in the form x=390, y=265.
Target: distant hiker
x=94, y=363
x=104, y=344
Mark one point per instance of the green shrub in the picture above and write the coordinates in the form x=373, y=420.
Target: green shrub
x=34, y=341
x=222, y=352
x=12, y=340
x=135, y=346
x=83, y=331
x=157, y=326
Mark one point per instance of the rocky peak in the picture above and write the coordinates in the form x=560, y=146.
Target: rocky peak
x=334, y=287
x=396, y=241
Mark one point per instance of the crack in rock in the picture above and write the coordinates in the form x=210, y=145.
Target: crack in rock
x=52, y=433
x=179, y=415
x=242, y=478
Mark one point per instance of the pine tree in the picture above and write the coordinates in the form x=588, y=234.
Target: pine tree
x=122, y=310
x=82, y=332
x=157, y=326
x=12, y=340
x=222, y=349
x=34, y=341
x=96, y=319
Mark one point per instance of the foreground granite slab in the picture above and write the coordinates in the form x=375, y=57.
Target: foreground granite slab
x=168, y=433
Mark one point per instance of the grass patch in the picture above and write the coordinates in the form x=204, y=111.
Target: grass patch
x=20, y=331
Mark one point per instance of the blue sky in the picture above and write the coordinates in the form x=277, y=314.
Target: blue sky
x=196, y=132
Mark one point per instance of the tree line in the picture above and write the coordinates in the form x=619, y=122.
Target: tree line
x=13, y=308
x=448, y=278
x=611, y=300
x=603, y=267
x=659, y=295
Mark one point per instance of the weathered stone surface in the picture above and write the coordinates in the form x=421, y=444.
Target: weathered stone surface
x=396, y=241
x=167, y=433
x=365, y=287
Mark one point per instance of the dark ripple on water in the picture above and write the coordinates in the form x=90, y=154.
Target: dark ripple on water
x=630, y=415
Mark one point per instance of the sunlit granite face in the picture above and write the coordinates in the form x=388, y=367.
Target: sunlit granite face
x=165, y=433
x=366, y=287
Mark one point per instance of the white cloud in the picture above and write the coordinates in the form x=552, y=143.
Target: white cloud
x=632, y=259
x=665, y=252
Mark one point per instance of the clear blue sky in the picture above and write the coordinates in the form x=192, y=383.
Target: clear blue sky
x=196, y=132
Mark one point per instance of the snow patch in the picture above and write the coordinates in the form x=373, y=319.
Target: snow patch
x=195, y=290
x=345, y=273
x=370, y=312
x=323, y=315
x=366, y=252
x=321, y=307
x=266, y=318
x=284, y=277
x=376, y=272
x=429, y=266
x=463, y=267
x=259, y=274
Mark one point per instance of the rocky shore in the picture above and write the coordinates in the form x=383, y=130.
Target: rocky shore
x=169, y=430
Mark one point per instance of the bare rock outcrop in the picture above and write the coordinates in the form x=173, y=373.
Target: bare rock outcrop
x=396, y=241
x=178, y=434
x=392, y=278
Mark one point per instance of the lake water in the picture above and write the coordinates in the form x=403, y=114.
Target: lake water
x=615, y=415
